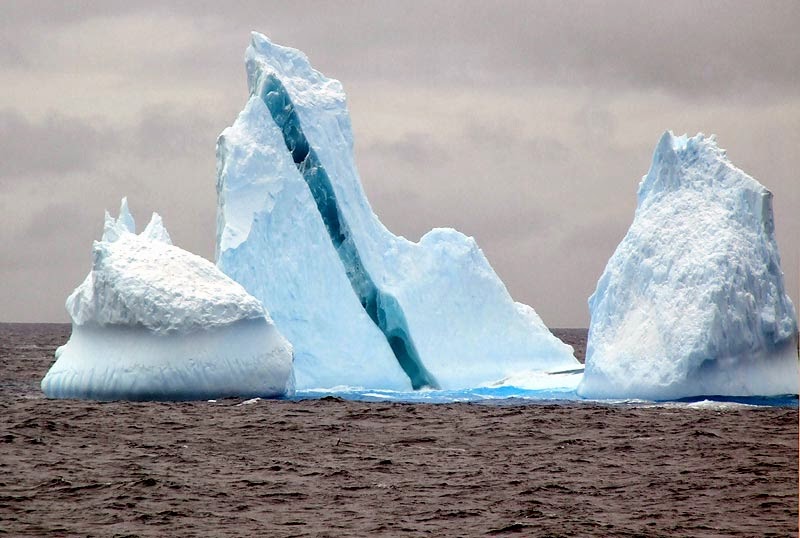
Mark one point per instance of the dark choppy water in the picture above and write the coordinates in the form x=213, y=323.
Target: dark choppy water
x=333, y=467
x=26, y=353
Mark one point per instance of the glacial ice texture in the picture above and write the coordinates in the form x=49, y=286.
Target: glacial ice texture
x=434, y=310
x=692, y=302
x=272, y=239
x=154, y=322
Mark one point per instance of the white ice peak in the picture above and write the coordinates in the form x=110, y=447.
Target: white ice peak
x=693, y=302
x=144, y=280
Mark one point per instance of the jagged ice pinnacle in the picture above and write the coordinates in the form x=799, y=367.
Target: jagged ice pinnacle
x=435, y=308
x=692, y=302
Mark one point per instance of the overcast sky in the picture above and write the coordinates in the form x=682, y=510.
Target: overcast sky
x=527, y=125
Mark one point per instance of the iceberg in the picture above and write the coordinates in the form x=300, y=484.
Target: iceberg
x=692, y=302
x=273, y=241
x=361, y=306
x=154, y=322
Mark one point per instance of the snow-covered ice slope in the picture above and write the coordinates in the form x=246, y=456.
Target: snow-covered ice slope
x=692, y=302
x=446, y=316
x=154, y=322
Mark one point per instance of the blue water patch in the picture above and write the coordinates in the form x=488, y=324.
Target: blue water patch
x=517, y=396
x=785, y=400
x=502, y=395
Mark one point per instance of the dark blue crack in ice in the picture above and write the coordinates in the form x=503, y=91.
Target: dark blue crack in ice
x=382, y=307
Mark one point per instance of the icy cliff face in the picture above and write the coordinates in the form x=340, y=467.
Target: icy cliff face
x=152, y=321
x=692, y=302
x=435, y=308
x=272, y=239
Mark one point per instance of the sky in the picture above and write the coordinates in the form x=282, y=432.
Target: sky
x=527, y=125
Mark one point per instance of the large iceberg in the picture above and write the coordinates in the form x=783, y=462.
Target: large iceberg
x=361, y=306
x=154, y=322
x=692, y=302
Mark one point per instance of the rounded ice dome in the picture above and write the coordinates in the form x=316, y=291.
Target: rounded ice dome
x=154, y=322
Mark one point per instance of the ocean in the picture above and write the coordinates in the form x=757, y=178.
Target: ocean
x=348, y=463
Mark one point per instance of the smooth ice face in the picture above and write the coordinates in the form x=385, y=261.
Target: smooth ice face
x=152, y=321
x=692, y=302
x=447, y=319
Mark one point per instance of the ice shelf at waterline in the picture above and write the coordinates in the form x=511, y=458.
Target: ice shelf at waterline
x=693, y=302
x=154, y=322
x=361, y=306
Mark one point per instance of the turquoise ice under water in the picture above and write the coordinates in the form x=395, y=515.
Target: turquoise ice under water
x=510, y=395
x=500, y=395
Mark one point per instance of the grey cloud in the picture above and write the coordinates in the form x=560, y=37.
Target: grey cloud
x=506, y=140
x=546, y=190
x=52, y=13
x=595, y=120
x=52, y=221
x=699, y=50
x=418, y=148
x=402, y=210
x=11, y=54
x=687, y=48
x=411, y=195
x=57, y=144
x=598, y=236
x=502, y=220
x=504, y=226
x=45, y=257
x=166, y=132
